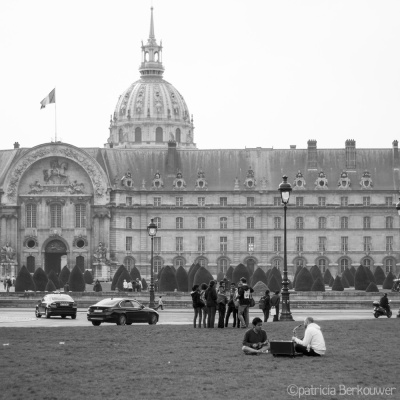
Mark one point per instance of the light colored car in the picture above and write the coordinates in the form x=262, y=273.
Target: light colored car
x=53, y=304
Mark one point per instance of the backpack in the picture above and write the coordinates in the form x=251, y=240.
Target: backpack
x=261, y=303
x=246, y=294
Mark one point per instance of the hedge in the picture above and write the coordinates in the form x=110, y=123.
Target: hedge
x=372, y=288
x=191, y=275
x=315, y=272
x=88, y=277
x=116, y=276
x=181, y=277
x=144, y=284
x=220, y=276
x=167, y=281
x=64, y=276
x=388, y=283
x=345, y=282
x=124, y=275
x=260, y=287
x=50, y=286
x=353, y=270
x=40, y=279
x=327, y=276
x=277, y=274
x=298, y=269
x=24, y=281
x=259, y=276
x=379, y=275
x=274, y=285
x=370, y=275
x=135, y=274
x=240, y=272
x=76, y=281
x=304, y=281
x=229, y=273
x=268, y=273
x=318, y=285
x=331, y=281
x=361, y=280
x=349, y=277
x=202, y=276
x=337, y=285
x=53, y=277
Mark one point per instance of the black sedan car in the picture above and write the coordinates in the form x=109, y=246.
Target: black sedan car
x=59, y=304
x=121, y=311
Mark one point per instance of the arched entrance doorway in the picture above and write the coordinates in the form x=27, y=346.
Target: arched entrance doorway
x=54, y=251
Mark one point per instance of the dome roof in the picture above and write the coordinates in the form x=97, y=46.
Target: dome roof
x=151, y=112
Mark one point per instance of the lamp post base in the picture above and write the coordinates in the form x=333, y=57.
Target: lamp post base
x=286, y=315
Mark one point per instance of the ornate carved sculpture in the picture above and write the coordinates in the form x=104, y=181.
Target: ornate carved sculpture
x=179, y=183
x=321, y=182
x=100, y=253
x=7, y=253
x=250, y=182
x=76, y=188
x=201, y=183
x=366, y=181
x=36, y=188
x=236, y=184
x=344, y=181
x=127, y=180
x=157, y=182
x=56, y=173
x=299, y=182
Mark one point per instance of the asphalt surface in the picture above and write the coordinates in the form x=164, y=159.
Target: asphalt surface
x=25, y=318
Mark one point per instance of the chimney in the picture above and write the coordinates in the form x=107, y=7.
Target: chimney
x=350, y=154
x=395, y=154
x=312, y=154
x=293, y=146
x=172, y=163
x=16, y=145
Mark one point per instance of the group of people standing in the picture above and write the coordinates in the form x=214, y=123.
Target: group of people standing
x=133, y=285
x=235, y=300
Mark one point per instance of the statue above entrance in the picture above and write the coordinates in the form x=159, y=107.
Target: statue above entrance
x=56, y=173
x=101, y=253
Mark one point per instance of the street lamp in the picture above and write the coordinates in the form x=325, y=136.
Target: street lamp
x=152, y=231
x=285, y=188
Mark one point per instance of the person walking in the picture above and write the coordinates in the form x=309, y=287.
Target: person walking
x=160, y=304
x=231, y=308
x=197, y=305
x=275, y=300
x=221, y=305
x=266, y=305
x=211, y=302
x=203, y=288
x=244, y=292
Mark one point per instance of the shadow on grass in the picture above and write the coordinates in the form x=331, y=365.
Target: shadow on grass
x=180, y=362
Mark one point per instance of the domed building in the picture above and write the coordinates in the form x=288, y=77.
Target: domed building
x=63, y=205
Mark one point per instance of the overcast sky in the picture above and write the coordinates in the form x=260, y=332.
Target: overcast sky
x=253, y=72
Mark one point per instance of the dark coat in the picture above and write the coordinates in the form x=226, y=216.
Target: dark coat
x=196, y=300
x=211, y=297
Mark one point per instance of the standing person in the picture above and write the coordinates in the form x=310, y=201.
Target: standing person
x=231, y=306
x=125, y=285
x=66, y=287
x=275, y=300
x=211, y=302
x=160, y=304
x=313, y=343
x=203, y=288
x=129, y=286
x=255, y=341
x=244, y=303
x=197, y=305
x=267, y=305
x=221, y=305
x=8, y=284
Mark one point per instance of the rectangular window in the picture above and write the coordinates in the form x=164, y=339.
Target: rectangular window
x=344, y=201
x=128, y=243
x=179, y=223
x=389, y=243
x=250, y=243
x=388, y=201
x=389, y=222
x=201, y=223
x=157, y=243
x=299, y=243
x=344, y=222
x=223, y=244
x=250, y=202
x=299, y=223
x=201, y=243
x=223, y=201
x=179, y=244
x=80, y=216
x=201, y=201
x=277, y=243
x=250, y=223
x=277, y=201
x=179, y=201
x=344, y=243
x=367, y=223
x=367, y=243
x=366, y=201
x=299, y=202
x=31, y=216
x=55, y=216
x=157, y=201
x=322, y=201
x=128, y=200
x=277, y=222
x=322, y=243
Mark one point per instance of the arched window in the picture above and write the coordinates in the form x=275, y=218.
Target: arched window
x=223, y=223
x=366, y=262
x=138, y=135
x=388, y=265
x=250, y=222
x=299, y=223
x=159, y=135
x=178, y=135
x=179, y=223
x=344, y=263
x=277, y=262
x=179, y=262
x=120, y=135
x=80, y=215
x=202, y=262
x=157, y=221
x=128, y=223
x=201, y=223
x=31, y=215
x=223, y=265
x=80, y=262
x=55, y=216
x=321, y=223
x=389, y=222
x=30, y=264
x=299, y=262
x=344, y=223
x=322, y=264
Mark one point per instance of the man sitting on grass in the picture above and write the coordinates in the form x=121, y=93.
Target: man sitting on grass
x=255, y=339
x=313, y=343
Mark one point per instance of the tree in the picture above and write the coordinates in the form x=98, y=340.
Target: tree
x=345, y=283
x=191, y=274
x=331, y=281
x=372, y=288
x=349, y=277
x=160, y=272
x=315, y=272
x=268, y=274
x=361, y=280
x=353, y=270
x=298, y=269
x=76, y=281
x=259, y=276
x=327, y=276
x=337, y=285
x=240, y=272
x=88, y=277
x=50, y=286
x=134, y=274
x=123, y=276
x=229, y=273
x=53, y=277
x=220, y=276
x=388, y=283
x=304, y=281
x=379, y=275
x=318, y=285
x=182, y=279
x=24, y=281
x=260, y=287
x=40, y=279
x=64, y=276
x=116, y=276
x=273, y=284
x=167, y=282
x=202, y=276
x=370, y=275
x=277, y=274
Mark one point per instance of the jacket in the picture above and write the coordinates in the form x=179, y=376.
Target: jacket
x=196, y=300
x=243, y=291
x=211, y=297
x=275, y=300
x=313, y=338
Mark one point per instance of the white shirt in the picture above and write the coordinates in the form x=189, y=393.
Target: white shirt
x=313, y=338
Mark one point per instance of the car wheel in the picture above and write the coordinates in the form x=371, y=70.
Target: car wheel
x=73, y=316
x=376, y=315
x=96, y=323
x=47, y=313
x=129, y=323
x=389, y=314
x=63, y=316
x=121, y=320
x=153, y=319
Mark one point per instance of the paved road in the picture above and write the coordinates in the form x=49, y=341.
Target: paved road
x=25, y=318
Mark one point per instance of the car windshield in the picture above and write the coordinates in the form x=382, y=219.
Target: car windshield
x=63, y=297
x=108, y=302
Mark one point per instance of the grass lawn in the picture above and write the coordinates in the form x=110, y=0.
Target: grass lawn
x=180, y=362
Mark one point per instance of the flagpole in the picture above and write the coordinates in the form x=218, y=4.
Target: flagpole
x=55, y=116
